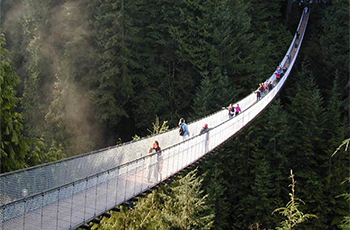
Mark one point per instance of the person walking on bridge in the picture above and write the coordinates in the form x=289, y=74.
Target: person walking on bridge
x=230, y=109
x=204, y=129
x=155, y=167
x=258, y=94
x=238, y=110
x=184, y=132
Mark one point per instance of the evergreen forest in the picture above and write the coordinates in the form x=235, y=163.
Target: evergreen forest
x=81, y=75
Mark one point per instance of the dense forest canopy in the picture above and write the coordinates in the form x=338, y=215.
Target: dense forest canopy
x=78, y=75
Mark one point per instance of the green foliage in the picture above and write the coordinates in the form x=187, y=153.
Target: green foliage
x=333, y=134
x=233, y=43
x=259, y=156
x=292, y=213
x=128, y=56
x=54, y=104
x=40, y=57
x=136, y=137
x=203, y=103
x=255, y=226
x=307, y=157
x=180, y=205
x=215, y=185
x=266, y=26
x=328, y=48
x=345, y=144
x=157, y=128
x=335, y=54
x=67, y=120
x=33, y=109
x=213, y=93
x=345, y=223
x=312, y=138
x=334, y=127
x=14, y=146
x=17, y=150
x=232, y=159
x=307, y=120
x=113, y=83
x=187, y=205
x=55, y=153
x=42, y=153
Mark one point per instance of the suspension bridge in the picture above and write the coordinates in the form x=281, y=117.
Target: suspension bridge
x=68, y=193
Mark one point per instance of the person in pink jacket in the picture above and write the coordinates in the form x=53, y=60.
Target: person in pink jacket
x=237, y=110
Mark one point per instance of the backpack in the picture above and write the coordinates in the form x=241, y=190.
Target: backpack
x=181, y=131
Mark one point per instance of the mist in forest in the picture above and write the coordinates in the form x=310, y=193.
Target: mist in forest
x=57, y=47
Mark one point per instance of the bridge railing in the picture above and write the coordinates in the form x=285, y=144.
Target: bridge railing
x=45, y=177
x=52, y=175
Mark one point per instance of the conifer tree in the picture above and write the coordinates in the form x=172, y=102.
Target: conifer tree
x=180, y=205
x=204, y=98
x=266, y=140
x=266, y=26
x=172, y=35
x=215, y=185
x=334, y=127
x=33, y=108
x=14, y=145
x=333, y=134
x=237, y=187
x=14, y=32
x=187, y=205
x=307, y=122
x=260, y=198
x=55, y=115
x=213, y=94
x=68, y=119
x=334, y=44
x=158, y=77
x=17, y=150
x=308, y=117
x=230, y=41
x=113, y=83
x=226, y=190
x=345, y=222
x=39, y=61
x=292, y=211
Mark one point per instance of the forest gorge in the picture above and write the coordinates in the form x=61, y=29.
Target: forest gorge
x=79, y=75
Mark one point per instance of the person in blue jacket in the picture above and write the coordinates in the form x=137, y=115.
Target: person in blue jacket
x=184, y=132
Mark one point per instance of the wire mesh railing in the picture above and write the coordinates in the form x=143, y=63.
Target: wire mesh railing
x=68, y=193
